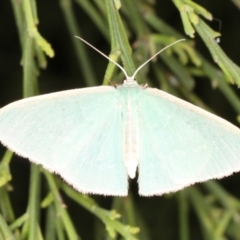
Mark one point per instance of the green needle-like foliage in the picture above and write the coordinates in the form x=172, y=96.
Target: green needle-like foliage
x=134, y=30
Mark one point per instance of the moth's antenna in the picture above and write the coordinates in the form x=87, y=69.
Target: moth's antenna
x=125, y=73
x=155, y=56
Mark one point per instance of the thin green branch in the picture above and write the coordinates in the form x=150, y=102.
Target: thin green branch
x=183, y=215
x=50, y=224
x=5, y=205
x=222, y=195
x=32, y=29
x=5, y=231
x=84, y=62
x=109, y=218
x=95, y=16
x=132, y=10
x=33, y=202
x=119, y=39
x=237, y=3
x=5, y=175
x=60, y=208
x=30, y=71
x=206, y=68
x=201, y=210
x=30, y=89
x=19, y=19
x=230, y=69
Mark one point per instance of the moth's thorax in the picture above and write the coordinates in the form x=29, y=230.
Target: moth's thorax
x=130, y=92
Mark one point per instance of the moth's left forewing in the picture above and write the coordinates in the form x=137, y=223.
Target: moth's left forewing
x=75, y=133
x=183, y=143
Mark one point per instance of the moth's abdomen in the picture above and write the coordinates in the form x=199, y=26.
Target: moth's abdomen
x=130, y=114
x=131, y=139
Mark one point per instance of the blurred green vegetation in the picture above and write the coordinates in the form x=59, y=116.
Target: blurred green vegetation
x=39, y=54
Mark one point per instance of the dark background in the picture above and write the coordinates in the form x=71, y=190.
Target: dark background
x=160, y=213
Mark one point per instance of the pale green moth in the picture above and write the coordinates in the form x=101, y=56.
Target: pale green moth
x=96, y=137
